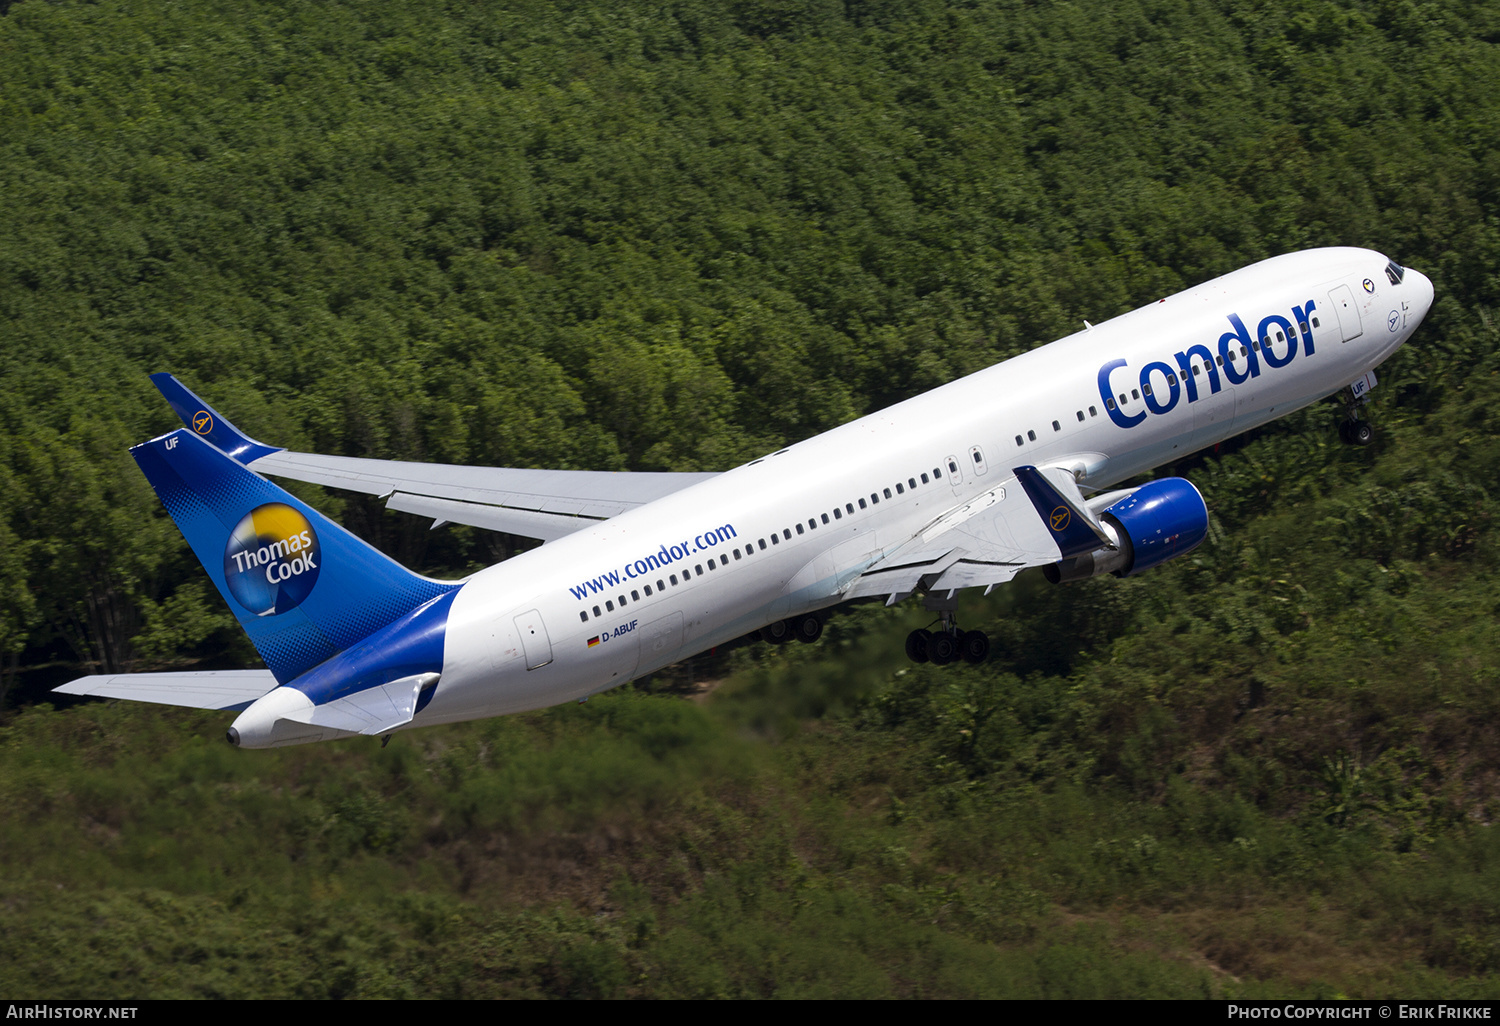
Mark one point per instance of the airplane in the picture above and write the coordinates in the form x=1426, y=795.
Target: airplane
x=964, y=486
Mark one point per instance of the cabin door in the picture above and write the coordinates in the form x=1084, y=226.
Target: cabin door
x=534, y=640
x=1348, y=314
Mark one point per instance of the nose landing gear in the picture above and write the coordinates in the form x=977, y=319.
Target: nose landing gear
x=1354, y=429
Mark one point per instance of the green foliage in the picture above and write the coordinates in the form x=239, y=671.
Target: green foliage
x=677, y=237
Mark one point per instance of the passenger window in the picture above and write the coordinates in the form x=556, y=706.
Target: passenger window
x=609, y=605
x=1280, y=337
x=622, y=601
x=673, y=579
x=648, y=591
x=838, y=514
x=1056, y=426
x=899, y=489
x=1020, y=440
x=936, y=474
x=1093, y=412
x=799, y=529
x=635, y=596
x=775, y=540
x=1031, y=436
x=662, y=585
x=812, y=525
x=1197, y=370
x=1080, y=416
x=787, y=534
x=699, y=568
x=1110, y=403
x=925, y=480
x=875, y=499
x=911, y=483
x=952, y=467
x=887, y=493
x=1315, y=322
x=736, y=553
x=861, y=503
x=762, y=543
x=825, y=517
x=596, y=611
x=583, y=615
x=1146, y=388
x=1134, y=394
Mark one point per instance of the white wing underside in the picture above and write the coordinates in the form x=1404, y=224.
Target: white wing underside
x=203, y=689
x=545, y=504
x=981, y=543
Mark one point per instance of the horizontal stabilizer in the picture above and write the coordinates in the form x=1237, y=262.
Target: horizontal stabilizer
x=377, y=710
x=204, y=689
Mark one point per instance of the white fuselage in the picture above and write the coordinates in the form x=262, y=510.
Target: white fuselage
x=521, y=634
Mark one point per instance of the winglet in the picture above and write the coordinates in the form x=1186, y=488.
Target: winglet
x=207, y=423
x=1073, y=527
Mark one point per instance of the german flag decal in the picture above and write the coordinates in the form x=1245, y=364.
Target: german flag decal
x=593, y=641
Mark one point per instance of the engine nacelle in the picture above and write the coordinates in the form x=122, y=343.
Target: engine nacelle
x=1160, y=520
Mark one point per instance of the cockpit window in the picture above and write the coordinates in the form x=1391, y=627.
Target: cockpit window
x=1395, y=272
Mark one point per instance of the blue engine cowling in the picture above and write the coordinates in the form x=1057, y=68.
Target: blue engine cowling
x=1162, y=520
x=1159, y=521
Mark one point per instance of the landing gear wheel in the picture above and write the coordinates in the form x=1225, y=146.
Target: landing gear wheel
x=916, y=645
x=778, y=632
x=809, y=628
x=975, y=646
x=1361, y=432
x=942, y=649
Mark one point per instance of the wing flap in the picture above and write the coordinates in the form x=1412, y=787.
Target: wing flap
x=523, y=522
x=230, y=690
x=990, y=538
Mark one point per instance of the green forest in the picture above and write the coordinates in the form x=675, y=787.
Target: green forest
x=676, y=236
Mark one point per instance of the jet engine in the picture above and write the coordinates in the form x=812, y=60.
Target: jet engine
x=1156, y=522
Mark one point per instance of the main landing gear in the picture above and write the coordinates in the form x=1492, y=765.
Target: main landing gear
x=805, y=628
x=947, y=644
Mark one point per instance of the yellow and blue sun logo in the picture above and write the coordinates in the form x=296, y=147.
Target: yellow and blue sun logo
x=271, y=561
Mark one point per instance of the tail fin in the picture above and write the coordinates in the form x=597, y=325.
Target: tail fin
x=206, y=422
x=302, y=587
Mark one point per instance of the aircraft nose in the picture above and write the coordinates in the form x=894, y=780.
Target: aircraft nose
x=1422, y=292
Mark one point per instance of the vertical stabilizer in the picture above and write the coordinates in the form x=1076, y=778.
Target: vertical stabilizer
x=302, y=587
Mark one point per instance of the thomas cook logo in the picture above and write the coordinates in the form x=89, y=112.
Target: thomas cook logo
x=271, y=561
x=203, y=422
x=1060, y=517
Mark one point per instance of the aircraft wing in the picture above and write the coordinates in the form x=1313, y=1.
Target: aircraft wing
x=544, y=504
x=1035, y=517
x=204, y=689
